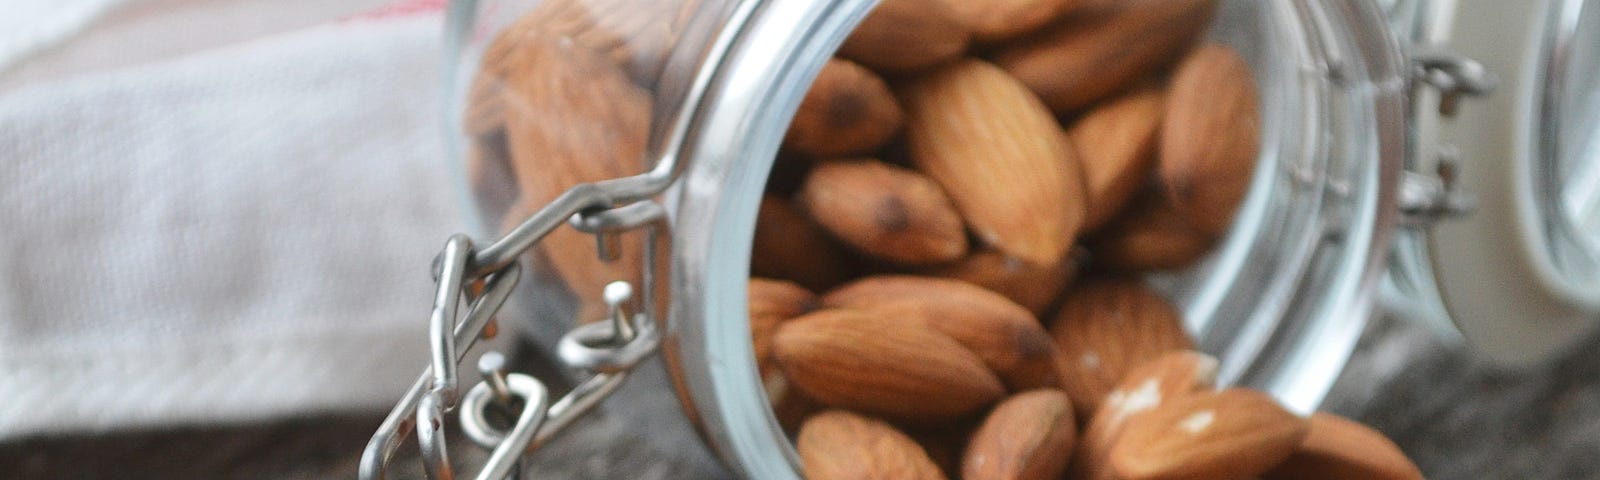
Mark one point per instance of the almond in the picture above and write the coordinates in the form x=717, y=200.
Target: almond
x=1171, y=376
x=634, y=35
x=1007, y=338
x=1116, y=142
x=1210, y=137
x=490, y=175
x=571, y=118
x=1338, y=448
x=837, y=445
x=885, y=211
x=905, y=35
x=847, y=111
x=773, y=302
x=1032, y=286
x=1027, y=437
x=1099, y=52
x=996, y=20
x=788, y=245
x=1000, y=155
x=1150, y=235
x=883, y=366
x=1105, y=328
x=1234, y=433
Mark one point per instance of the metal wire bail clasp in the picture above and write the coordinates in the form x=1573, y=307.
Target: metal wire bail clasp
x=604, y=350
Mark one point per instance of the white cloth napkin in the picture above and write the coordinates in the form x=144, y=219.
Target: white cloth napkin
x=235, y=234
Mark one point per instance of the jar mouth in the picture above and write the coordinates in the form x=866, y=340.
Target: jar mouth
x=1281, y=302
x=1564, y=153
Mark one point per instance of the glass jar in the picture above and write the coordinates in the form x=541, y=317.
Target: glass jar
x=690, y=100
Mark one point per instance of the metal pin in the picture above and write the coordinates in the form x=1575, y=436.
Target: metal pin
x=609, y=245
x=617, y=295
x=492, y=365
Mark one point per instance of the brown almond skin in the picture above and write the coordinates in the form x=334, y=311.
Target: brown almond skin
x=789, y=246
x=1006, y=336
x=1034, y=287
x=572, y=117
x=885, y=211
x=1338, y=448
x=1107, y=327
x=847, y=111
x=895, y=368
x=634, y=35
x=1001, y=157
x=996, y=20
x=1234, y=433
x=839, y=445
x=907, y=35
x=1027, y=437
x=1173, y=375
x=1100, y=52
x=1149, y=235
x=773, y=302
x=1116, y=143
x=1210, y=137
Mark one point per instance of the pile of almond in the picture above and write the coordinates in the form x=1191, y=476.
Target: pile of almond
x=962, y=170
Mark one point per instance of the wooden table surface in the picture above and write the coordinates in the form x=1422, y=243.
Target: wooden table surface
x=1459, y=418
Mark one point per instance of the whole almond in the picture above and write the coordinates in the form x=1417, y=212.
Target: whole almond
x=1008, y=339
x=1210, y=137
x=1000, y=155
x=572, y=117
x=789, y=246
x=890, y=367
x=1107, y=327
x=997, y=20
x=1146, y=387
x=1032, y=286
x=838, y=445
x=1338, y=448
x=885, y=211
x=1099, y=52
x=847, y=111
x=1116, y=142
x=1149, y=235
x=1027, y=437
x=773, y=302
x=1234, y=433
x=906, y=35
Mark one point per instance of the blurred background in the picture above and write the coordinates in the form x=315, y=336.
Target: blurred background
x=217, y=217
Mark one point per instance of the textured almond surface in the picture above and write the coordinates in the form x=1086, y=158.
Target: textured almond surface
x=903, y=35
x=1116, y=143
x=788, y=245
x=1098, y=53
x=636, y=35
x=1229, y=434
x=1149, y=235
x=847, y=111
x=1146, y=387
x=1027, y=437
x=772, y=302
x=1210, y=137
x=885, y=211
x=1105, y=328
x=1032, y=286
x=1338, y=448
x=1006, y=336
x=839, y=445
x=1000, y=155
x=994, y=20
x=892, y=367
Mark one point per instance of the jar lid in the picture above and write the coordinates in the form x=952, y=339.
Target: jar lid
x=1520, y=275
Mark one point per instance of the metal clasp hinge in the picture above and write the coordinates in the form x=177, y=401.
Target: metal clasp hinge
x=1425, y=197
